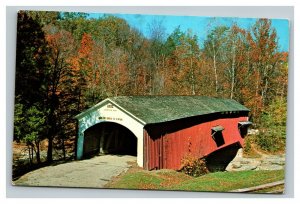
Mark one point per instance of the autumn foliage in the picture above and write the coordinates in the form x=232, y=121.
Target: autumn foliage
x=193, y=166
x=74, y=62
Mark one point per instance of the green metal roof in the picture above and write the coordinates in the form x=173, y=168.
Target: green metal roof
x=157, y=109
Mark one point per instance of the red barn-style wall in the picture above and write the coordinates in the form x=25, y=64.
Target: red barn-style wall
x=164, y=130
x=166, y=144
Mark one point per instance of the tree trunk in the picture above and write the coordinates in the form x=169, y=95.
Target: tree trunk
x=50, y=147
x=216, y=75
x=193, y=77
x=264, y=93
x=29, y=155
x=38, y=155
x=63, y=147
x=232, y=73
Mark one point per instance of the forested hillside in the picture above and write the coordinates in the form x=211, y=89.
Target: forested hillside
x=67, y=62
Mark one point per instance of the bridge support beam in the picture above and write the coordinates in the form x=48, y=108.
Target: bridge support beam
x=80, y=140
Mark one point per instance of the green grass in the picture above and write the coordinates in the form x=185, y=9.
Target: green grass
x=226, y=181
x=137, y=181
x=172, y=180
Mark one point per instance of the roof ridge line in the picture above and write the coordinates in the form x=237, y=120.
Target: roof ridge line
x=127, y=112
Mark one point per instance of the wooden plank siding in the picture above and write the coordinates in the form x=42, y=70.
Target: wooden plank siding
x=166, y=144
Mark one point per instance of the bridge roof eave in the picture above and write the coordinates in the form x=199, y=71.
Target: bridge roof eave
x=95, y=107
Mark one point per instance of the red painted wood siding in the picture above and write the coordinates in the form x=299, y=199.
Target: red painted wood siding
x=166, y=144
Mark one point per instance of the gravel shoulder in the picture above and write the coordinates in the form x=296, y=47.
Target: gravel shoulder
x=264, y=162
x=89, y=173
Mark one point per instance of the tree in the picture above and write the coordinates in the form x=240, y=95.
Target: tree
x=235, y=60
x=112, y=31
x=264, y=55
x=32, y=69
x=272, y=136
x=19, y=119
x=31, y=61
x=157, y=55
x=213, y=49
x=44, y=17
x=89, y=70
x=34, y=129
x=30, y=127
x=182, y=67
x=74, y=22
x=140, y=75
x=61, y=44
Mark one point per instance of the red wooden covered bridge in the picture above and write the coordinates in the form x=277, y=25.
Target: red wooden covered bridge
x=162, y=130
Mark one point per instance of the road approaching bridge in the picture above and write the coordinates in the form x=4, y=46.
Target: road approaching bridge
x=91, y=173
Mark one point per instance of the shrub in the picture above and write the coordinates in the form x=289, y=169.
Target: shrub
x=271, y=140
x=272, y=134
x=247, y=148
x=193, y=166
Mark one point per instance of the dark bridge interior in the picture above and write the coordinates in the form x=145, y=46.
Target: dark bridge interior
x=218, y=160
x=109, y=138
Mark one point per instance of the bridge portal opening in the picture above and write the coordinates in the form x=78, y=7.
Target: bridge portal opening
x=109, y=138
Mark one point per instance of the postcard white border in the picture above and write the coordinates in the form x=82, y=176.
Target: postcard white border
x=230, y=11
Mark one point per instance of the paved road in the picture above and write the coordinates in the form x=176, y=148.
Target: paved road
x=93, y=173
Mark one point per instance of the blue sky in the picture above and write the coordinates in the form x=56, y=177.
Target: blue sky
x=199, y=25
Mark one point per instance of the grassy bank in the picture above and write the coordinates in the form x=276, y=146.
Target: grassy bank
x=137, y=178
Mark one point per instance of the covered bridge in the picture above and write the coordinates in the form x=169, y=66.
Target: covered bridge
x=162, y=130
